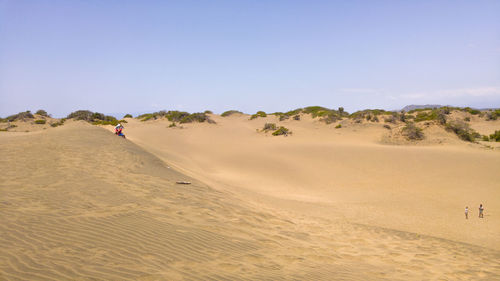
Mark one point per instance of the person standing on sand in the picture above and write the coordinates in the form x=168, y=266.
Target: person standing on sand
x=467, y=213
x=481, y=209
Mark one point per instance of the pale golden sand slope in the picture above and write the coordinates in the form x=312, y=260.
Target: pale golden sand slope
x=80, y=203
x=420, y=189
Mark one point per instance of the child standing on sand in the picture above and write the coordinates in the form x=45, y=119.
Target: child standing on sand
x=467, y=213
x=481, y=209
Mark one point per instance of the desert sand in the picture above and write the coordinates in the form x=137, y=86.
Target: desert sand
x=77, y=202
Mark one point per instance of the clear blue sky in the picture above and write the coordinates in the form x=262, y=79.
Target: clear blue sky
x=138, y=56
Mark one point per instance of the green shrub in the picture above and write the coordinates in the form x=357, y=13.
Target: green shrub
x=495, y=136
x=40, y=121
x=176, y=116
x=467, y=119
x=282, y=131
x=331, y=117
x=42, y=113
x=486, y=138
x=493, y=115
x=230, y=112
x=128, y=116
x=269, y=127
x=412, y=132
x=3, y=129
x=462, y=130
x=59, y=123
x=391, y=119
x=208, y=112
x=258, y=114
x=338, y=126
x=123, y=121
x=472, y=111
x=20, y=116
x=284, y=117
x=403, y=117
x=172, y=125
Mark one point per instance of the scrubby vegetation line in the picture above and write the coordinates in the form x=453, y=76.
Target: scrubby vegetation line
x=177, y=116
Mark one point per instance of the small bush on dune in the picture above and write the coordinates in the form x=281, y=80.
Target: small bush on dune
x=42, y=112
x=95, y=118
x=495, y=136
x=331, y=117
x=284, y=117
x=172, y=125
x=269, y=127
x=412, y=132
x=58, y=123
x=128, y=116
x=282, y=131
x=40, y=121
x=471, y=110
x=258, y=114
x=208, y=112
x=177, y=116
x=467, y=119
x=462, y=130
x=296, y=117
x=486, y=138
x=493, y=115
x=230, y=112
x=387, y=127
x=338, y=126
x=20, y=116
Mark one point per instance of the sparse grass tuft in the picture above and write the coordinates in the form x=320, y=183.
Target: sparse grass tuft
x=338, y=126
x=40, y=121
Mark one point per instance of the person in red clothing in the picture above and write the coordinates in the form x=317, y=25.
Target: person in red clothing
x=118, y=130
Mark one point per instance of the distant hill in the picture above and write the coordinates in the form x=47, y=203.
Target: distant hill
x=415, y=106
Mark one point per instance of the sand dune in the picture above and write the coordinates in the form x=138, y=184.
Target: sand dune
x=80, y=203
x=421, y=189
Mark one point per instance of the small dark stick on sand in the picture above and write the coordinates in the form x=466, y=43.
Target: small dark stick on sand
x=183, y=182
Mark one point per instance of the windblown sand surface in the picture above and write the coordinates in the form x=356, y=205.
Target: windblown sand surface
x=80, y=203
